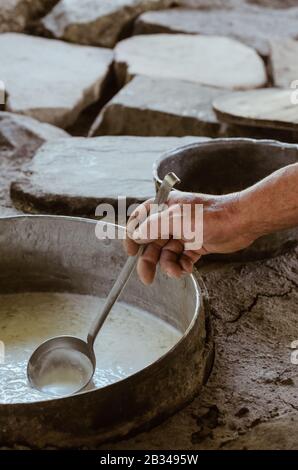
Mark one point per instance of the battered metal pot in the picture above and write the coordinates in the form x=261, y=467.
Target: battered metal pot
x=221, y=166
x=62, y=254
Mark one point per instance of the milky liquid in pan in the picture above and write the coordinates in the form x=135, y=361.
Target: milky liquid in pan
x=130, y=340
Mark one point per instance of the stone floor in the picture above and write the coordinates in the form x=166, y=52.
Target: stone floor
x=252, y=393
x=125, y=71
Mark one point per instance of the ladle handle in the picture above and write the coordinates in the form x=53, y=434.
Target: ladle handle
x=161, y=197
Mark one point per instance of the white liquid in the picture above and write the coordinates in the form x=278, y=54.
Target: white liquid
x=130, y=340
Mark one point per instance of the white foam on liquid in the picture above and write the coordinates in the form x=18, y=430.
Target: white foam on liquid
x=130, y=340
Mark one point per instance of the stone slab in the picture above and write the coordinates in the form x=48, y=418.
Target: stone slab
x=252, y=25
x=51, y=80
x=208, y=60
x=15, y=15
x=73, y=176
x=209, y=4
x=274, y=3
x=284, y=62
x=270, y=107
x=20, y=137
x=160, y=107
x=96, y=22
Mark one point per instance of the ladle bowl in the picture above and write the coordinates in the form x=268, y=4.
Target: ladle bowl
x=61, y=366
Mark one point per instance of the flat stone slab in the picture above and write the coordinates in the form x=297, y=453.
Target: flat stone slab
x=208, y=4
x=160, y=107
x=73, y=176
x=270, y=107
x=274, y=3
x=51, y=80
x=96, y=22
x=16, y=14
x=252, y=25
x=20, y=137
x=209, y=60
x=25, y=133
x=8, y=211
x=284, y=62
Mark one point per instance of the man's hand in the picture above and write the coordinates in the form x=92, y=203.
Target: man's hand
x=231, y=223
x=222, y=233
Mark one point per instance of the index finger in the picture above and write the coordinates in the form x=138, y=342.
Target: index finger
x=136, y=217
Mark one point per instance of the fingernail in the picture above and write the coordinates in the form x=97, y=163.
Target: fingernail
x=136, y=235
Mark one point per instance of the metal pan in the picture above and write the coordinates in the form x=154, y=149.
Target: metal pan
x=62, y=254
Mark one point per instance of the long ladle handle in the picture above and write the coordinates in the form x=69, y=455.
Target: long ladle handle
x=162, y=196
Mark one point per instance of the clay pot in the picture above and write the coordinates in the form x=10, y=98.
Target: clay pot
x=222, y=166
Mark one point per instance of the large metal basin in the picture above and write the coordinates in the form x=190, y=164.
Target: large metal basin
x=221, y=166
x=62, y=254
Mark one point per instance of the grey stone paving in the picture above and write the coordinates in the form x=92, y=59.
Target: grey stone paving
x=284, y=62
x=20, y=137
x=15, y=15
x=215, y=61
x=165, y=107
x=96, y=22
x=56, y=81
x=252, y=25
x=73, y=176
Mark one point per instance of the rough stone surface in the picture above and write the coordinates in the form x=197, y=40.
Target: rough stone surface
x=16, y=14
x=208, y=4
x=20, y=137
x=253, y=386
x=274, y=3
x=148, y=107
x=208, y=60
x=51, y=80
x=270, y=107
x=98, y=171
x=96, y=22
x=284, y=62
x=253, y=25
x=277, y=434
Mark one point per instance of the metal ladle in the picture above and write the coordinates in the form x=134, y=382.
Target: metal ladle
x=65, y=365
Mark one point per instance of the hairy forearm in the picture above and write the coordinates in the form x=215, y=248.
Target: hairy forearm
x=271, y=204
